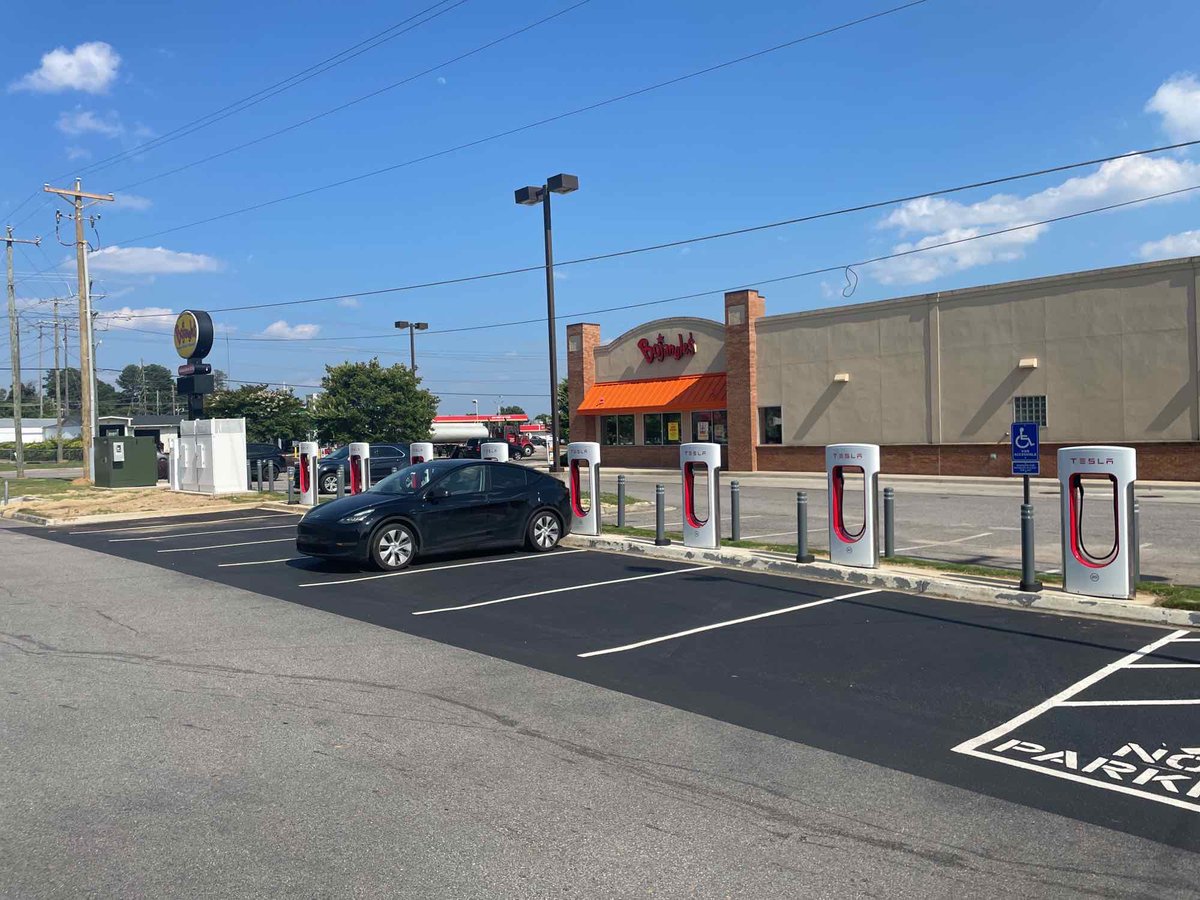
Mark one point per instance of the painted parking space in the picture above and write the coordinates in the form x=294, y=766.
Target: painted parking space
x=899, y=680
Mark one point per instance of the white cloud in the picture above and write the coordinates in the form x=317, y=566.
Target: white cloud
x=135, y=202
x=90, y=67
x=1177, y=100
x=349, y=302
x=84, y=121
x=937, y=220
x=158, y=318
x=281, y=329
x=74, y=153
x=441, y=79
x=150, y=261
x=561, y=275
x=1186, y=243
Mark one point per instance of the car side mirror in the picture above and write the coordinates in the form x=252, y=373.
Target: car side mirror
x=437, y=493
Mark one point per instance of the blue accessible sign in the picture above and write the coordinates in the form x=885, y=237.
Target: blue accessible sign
x=1024, y=443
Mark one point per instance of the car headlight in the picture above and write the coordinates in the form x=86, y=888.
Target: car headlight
x=355, y=518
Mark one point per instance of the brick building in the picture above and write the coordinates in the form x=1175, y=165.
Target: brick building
x=1105, y=356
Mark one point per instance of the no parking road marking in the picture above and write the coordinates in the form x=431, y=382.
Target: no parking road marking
x=726, y=624
x=1162, y=774
x=574, y=587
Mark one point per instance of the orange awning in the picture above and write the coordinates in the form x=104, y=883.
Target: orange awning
x=687, y=392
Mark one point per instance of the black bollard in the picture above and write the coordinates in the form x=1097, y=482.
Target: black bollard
x=660, y=516
x=620, y=501
x=802, y=554
x=341, y=480
x=1029, y=580
x=889, y=522
x=735, y=511
x=291, y=473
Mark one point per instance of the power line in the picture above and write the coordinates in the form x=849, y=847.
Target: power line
x=536, y=124
x=810, y=217
x=354, y=102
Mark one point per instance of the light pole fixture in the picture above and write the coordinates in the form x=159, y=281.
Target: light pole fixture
x=531, y=196
x=413, y=328
x=476, y=402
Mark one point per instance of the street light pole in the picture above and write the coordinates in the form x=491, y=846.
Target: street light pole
x=528, y=196
x=413, y=328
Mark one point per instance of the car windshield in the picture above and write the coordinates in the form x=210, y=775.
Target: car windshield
x=340, y=453
x=410, y=479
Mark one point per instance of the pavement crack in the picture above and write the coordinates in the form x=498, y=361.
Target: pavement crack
x=116, y=621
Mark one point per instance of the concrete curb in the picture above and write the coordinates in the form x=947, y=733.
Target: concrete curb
x=132, y=516
x=906, y=581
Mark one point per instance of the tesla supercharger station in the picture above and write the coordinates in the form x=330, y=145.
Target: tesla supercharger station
x=360, y=466
x=496, y=451
x=1083, y=471
x=581, y=455
x=420, y=452
x=309, y=454
x=704, y=534
x=846, y=547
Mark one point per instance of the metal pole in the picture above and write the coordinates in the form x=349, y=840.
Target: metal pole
x=259, y=467
x=889, y=522
x=1136, y=544
x=412, y=347
x=660, y=516
x=291, y=473
x=620, y=501
x=802, y=554
x=735, y=511
x=341, y=480
x=6, y=492
x=58, y=406
x=249, y=476
x=1029, y=580
x=551, y=327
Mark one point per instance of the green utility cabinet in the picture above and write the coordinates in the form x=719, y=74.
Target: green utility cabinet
x=126, y=461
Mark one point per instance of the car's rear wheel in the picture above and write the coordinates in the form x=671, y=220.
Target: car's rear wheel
x=393, y=547
x=329, y=483
x=544, y=531
x=527, y=451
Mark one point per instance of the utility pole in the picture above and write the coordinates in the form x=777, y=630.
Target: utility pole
x=14, y=340
x=87, y=371
x=41, y=375
x=58, y=389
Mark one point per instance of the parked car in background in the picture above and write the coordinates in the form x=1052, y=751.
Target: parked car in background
x=439, y=506
x=267, y=453
x=384, y=458
x=518, y=447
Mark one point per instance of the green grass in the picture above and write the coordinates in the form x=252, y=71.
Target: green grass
x=1173, y=596
x=611, y=499
x=43, y=487
x=8, y=465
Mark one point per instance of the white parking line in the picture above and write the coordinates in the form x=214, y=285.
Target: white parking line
x=223, y=546
x=179, y=524
x=574, y=587
x=715, y=625
x=1129, y=703
x=171, y=537
x=1166, y=666
x=483, y=562
x=258, y=562
x=940, y=543
x=792, y=533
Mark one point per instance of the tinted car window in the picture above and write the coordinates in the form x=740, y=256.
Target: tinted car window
x=506, y=478
x=407, y=480
x=385, y=451
x=464, y=480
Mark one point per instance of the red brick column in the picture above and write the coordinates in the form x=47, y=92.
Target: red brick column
x=742, y=310
x=582, y=340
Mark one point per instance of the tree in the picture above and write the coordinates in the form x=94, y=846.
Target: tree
x=108, y=402
x=142, y=385
x=512, y=411
x=368, y=402
x=220, y=380
x=542, y=418
x=269, y=414
x=564, y=411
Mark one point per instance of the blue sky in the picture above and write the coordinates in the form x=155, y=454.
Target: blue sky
x=943, y=93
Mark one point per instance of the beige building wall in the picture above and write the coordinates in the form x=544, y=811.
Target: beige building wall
x=1116, y=353
x=621, y=360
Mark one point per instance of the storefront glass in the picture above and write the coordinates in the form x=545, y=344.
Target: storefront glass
x=710, y=427
x=770, y=425
x=661, y=428
x=616, y=430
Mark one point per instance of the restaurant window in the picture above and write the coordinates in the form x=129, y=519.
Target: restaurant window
x=710, y=427
x=770, y=425
x=616, y=430
x=661, y=428
x=1030, y=409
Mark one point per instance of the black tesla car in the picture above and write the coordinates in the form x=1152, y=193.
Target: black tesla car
x=439, y=506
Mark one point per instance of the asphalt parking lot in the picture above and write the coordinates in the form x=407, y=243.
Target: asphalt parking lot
x=1092, y=720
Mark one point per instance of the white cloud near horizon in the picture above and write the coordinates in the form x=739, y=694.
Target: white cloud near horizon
x=83, y=121
x=135, y=202
x=1177, y=100
x=150, y=261
x=91, y=67
x=349, y=302
x=1185, y=243
x=74, y=153
x=158, y=318
x=281, y=329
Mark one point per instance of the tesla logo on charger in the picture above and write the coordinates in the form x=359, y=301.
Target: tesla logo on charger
x=660, y=349
x=1092, y=461
x=838, y=455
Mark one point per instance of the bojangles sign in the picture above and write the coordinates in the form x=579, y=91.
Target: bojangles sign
x=659, y=350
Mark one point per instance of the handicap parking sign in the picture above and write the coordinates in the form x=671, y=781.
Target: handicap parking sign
x=1024, y=444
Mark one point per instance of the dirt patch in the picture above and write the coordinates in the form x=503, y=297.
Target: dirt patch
x=77, y=502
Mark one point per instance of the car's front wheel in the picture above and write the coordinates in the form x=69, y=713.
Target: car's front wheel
x=527, y=451
x=544, y=531
x=393, y=547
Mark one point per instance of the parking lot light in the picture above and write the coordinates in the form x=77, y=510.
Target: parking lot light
x=531, y=195
x=412, y=327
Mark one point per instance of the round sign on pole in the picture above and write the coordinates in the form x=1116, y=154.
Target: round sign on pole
x=193, y=334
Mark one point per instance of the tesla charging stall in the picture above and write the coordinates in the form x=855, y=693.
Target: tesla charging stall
x=702, y=533
x=496, y=451
x=585, y=486
x=421, y=451
x=1101, y=566
x=848, y=545
x=309, y=452
x=360, y=467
